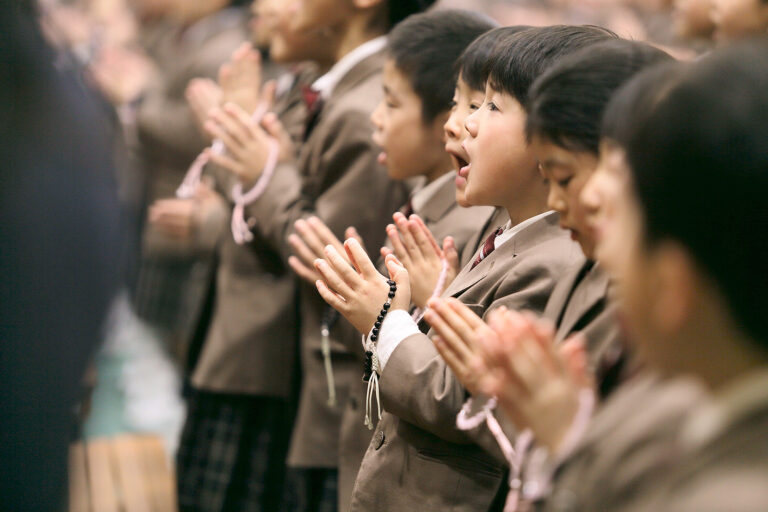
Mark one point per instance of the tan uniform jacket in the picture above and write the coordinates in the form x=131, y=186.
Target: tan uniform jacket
x=444, y=218
x=418, y=459
x=342, y=183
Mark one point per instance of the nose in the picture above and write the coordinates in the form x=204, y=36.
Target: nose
x=555, y=200
x=376, y=116
x=452, y=127
x=470, y=124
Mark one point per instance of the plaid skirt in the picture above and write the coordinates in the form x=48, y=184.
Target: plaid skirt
x=311, y=490
x=232, y=453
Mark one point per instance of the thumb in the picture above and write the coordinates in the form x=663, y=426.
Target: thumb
x=574, y=354
x=268, y=93
x=451, y=253
x=351, y=232
x=275, y=129
x=399, y=275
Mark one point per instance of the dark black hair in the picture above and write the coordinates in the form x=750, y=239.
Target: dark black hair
x=700, y=163
x=636, y=100
x=473, y=65
x=425, y=48
x=515, y=65
x=566, y=104
x=398, y=10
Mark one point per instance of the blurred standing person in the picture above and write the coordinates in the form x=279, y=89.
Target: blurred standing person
x=175, y=271
x=60, y=239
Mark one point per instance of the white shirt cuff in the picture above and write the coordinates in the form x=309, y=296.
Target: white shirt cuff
x=397, y=326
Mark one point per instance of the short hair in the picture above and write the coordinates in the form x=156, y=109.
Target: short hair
x=398, y=10
x=473, y=65
x=700, y=162
x=566, y=104
x=425, y=48
x=515, y=65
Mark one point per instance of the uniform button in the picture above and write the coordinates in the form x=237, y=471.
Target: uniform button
x=379, y=440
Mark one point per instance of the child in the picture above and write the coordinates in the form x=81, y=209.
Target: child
x=336, y=178
x=417, y=455
x=692, y=312
x=565, y=110
x=421, y=53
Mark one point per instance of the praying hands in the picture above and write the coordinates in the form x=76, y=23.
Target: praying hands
x=512, y=357
x=357, y=291
x=309, y=242
x=418, y=251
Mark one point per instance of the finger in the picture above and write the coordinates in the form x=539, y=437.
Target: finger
x=386, y=251
x=217, y=130
x=360, y=259
x=302, y=270
x=423, y=236
x=243, y=120
x=451, y=253
x=310, y=238
x=351, y=232
x=450, y=338
x=228, y=163
x=341, y=267
x=397, y=244
x=469, y=316
x=454, y=363
x=322, y=232
x=269, y=93
x=275, y=128
x=399, y=274
x=333, y=280
x=301, y=250
x=331, y=298
x=408, y=241
x=225, y=73
x=455, y=323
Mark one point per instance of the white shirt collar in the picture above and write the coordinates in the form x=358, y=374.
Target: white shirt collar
x=510, y=230
x=328, y=82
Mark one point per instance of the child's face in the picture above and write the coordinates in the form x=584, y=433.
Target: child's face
x=502, y=167
x=566, y=173
x=465, y=101
x=615, y=214
x=264, y=21
x=291, y=44
x=739, y=18
x=410, y=146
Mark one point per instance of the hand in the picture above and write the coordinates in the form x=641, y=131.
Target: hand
x=309, y=242
x=248, y=143
x=458, y=331
x=417, y=249
x=122, y=75
x=203, y=96
x=537, y=384
x=179, y=218
x=241, y=80
x=359, y=291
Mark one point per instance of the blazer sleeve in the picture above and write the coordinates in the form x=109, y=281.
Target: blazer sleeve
x=348, y=188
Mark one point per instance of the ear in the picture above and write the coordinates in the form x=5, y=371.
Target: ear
x=676, y=288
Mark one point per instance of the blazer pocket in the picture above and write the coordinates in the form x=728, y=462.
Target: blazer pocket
x=461, y=462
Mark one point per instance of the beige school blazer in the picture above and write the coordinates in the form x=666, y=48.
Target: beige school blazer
x=342, y=183
x=418, y=459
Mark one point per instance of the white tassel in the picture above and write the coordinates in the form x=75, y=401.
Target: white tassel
x=373, y=387
x=325, y=348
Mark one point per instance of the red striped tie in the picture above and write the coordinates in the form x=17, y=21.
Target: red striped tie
x=488, y=247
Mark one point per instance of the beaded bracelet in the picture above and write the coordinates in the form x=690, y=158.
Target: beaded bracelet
x=376, y=328
x=371, y=375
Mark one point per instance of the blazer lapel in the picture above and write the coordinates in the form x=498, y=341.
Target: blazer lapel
x=443, y=199
x=592, y=288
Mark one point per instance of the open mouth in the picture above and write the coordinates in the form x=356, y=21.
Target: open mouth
x=458, y=159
